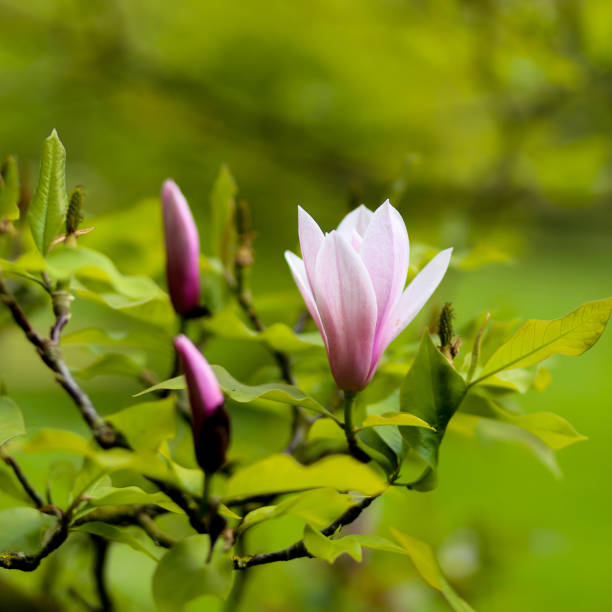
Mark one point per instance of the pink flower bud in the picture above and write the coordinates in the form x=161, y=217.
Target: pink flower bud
x=182, y=250
x=352, y=281
x=210, y=421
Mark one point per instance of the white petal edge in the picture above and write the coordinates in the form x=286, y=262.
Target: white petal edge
x=357, y=220
x=298, y=270
x=311, y=239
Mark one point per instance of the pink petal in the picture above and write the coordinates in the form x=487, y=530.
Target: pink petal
x=411, y=301
x=298, y=271
x=311, y=239
x=357, y=220
x=182, y=250
x=347, y=304
x=385, y=254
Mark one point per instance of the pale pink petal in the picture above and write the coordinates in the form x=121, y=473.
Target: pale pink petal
x=298, y=271
x=385, y=254
x=411, y=301
x=357, y=220
x=311, y=239
x=347, y=304
x=356, y=241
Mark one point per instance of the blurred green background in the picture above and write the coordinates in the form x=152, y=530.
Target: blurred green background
x=484, y=122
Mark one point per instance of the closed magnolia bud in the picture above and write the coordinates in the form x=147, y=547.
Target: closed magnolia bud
x=210, y=421
x=182, y=250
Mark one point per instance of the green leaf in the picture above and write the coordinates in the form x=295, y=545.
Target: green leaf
x=11, y=420
x=9, y=189
x=318, y=507
x=23, y=529
x=432, y=390
x=146, y=425
x=222, y=211
x=536, y=340
x=282, y=474
x=113, y=364
x=50, y=201
x=329, y=549
x=394, y=418
x=183, y=574
x=144, y=340
x=244, y=394
x=549, y=427
x=132, y=536
x=129, y=496
x=426, y=564
x=278, y=336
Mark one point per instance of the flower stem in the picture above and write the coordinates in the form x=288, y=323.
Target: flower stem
x=349, y=430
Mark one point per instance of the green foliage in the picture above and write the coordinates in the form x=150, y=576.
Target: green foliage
x=222, y=211
x=432, y=391
x=11, y=420
x=48, y=207
x=133, y=537
x=9, y=189
x=281, y=474
x=183, y=575
x=23, y=530
x=536, y=340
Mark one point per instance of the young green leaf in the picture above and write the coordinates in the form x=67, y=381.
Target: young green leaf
x=11, y=420
x=283, y=474
x=549, y=427
x=23, y=529
x=9, y=189
x=48, y=207
x=222, y=211
x=322, y=547
x=432, y=391
x=244, y=394
x=426, y=564
x=394, y=418
x=132, y=536
x=183, y=574
x=536, y=340
x=113, y=364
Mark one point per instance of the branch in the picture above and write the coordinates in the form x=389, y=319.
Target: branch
x=298, y=549
x=100, y=558
x=23, y=480
x=104, y=433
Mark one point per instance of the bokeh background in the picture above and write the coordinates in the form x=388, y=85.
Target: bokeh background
x=488, y=123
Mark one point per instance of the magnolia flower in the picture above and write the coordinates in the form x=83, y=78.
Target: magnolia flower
x=352, y=281
x=182, y=250
x=210, y=421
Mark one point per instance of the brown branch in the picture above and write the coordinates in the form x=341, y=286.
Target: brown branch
x=298, y=549
x=100, y=559
x=23, y=480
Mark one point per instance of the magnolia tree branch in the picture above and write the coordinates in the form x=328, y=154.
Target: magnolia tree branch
x=104, y=433
x=298, y=549
x=23, y=480
x=100, y=560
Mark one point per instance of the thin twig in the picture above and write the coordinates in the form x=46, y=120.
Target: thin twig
x=159, y=537
x=23, y=480
x=100, y=557
x=298, y=549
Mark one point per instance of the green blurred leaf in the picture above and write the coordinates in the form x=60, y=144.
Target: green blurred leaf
x=113, y=364
x=426, y=564
x=183, y=574
x=11, y=420
x=244, y=394
x=432, y=390
x=222, y=211
x=318, y=507
x=143, y=340
x=282, y=474
x=536, y=340
x=549, y=427
x=128, y=496
x=146, y=425
x=132, y=536
x=9, y=189
x=23, y=529
x=329, y=549
x=48, y=206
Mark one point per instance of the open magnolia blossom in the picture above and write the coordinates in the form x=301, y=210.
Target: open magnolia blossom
x=352, y=281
